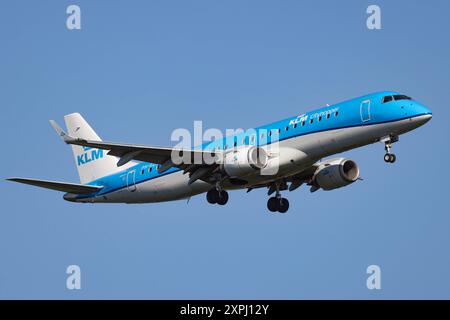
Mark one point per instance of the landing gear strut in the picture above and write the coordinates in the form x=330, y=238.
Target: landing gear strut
x=277, y=203
x=214, y=196
x=389, y=157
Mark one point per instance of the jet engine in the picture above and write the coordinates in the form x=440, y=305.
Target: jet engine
x=243, y=161
x=336, y=173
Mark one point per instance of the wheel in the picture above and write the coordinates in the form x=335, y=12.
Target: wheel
x=272, y=204
x=283, y=205
x=222, y=197
x=387, y=157
x=392, y=158
x=212, y=196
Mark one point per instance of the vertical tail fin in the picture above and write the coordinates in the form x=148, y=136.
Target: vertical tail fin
x=91, y=163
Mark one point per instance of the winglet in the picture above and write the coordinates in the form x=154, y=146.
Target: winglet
x=64, y=136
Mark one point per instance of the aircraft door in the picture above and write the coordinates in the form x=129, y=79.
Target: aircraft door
x=365, y=110
x=131, y=180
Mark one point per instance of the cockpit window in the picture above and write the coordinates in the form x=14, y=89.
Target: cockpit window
x=401, y=97
x=395, y=97
x=387, y=99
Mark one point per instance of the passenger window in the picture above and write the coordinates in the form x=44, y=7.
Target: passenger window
x=149, y=169
x=336, y=113
x=295, y=125
x=328, y=116
x=320, y=118
x=303, y=123
x=287, y=128
x=311, y=121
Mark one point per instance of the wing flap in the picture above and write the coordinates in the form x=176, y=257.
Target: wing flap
x=58, y=186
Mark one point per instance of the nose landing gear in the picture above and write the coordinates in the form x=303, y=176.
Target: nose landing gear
x=389, y=157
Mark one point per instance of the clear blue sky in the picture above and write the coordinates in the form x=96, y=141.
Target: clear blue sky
x=137, y=70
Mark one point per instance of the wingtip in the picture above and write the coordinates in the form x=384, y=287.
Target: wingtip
x=64, y=136
x=57, y=128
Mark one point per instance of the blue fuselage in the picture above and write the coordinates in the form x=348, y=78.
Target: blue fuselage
x=319, y=133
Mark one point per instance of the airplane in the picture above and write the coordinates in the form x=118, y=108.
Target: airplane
x=113, y=172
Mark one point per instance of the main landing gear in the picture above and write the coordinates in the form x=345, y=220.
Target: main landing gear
x=389, y=157
x=277, y=203
x=214, y=196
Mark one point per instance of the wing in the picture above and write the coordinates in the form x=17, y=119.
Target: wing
x=59, y=186
x=188, y=160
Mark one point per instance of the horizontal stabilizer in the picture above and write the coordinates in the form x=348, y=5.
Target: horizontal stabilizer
x=59, y=186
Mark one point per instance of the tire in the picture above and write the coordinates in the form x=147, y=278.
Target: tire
x=387, y=157
x=222, y=198
x=393, y=158
x=272, y=204
x=284, y=205
x=211, y=196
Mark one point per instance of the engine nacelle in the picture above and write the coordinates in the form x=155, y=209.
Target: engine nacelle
x=243, y=161
x=336, y=173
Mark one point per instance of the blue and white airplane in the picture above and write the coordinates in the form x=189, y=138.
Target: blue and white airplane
x=127, y=173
